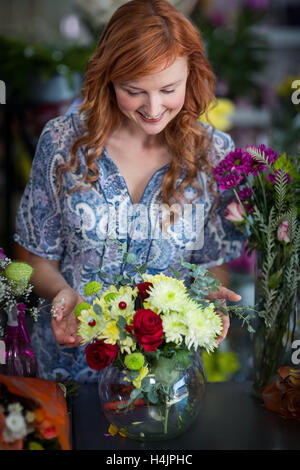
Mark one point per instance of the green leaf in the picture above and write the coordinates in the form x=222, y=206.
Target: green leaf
x=182, y=357
x=153, y=396
x=97, y=309
x=275, y=279
x=130, y=258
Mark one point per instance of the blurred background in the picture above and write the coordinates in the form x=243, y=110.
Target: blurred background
x=254, y=48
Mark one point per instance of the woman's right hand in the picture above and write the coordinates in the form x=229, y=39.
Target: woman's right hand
x=64, y=322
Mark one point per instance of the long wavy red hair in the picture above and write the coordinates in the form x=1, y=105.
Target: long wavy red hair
x=142, y=37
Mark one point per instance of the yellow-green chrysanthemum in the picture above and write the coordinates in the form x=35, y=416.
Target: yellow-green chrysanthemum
x=174, y=328
x=123, y=302
x=127, y=345
x=161, y=277
x=168, y=295
x=110, y=332
x=204, y=327
x=89, y=325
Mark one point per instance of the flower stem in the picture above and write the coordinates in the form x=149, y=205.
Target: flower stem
x=166, y=419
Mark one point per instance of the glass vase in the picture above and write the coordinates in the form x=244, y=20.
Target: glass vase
x=272, y=340
x=165, y=414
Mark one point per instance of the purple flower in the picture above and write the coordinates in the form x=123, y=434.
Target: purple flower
x=269, y=153
x=238, y=161
x=2, y=254
x=230, y=181
x=245, y=193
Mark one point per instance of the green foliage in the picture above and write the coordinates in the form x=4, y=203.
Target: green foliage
x=237, y=53
x=21, y=61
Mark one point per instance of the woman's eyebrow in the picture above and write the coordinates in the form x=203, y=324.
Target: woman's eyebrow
x=137, y=88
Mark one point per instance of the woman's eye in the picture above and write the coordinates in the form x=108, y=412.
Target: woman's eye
x=168, y=91
x=132, y=93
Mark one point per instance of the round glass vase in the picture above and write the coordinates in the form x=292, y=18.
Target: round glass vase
x=167, y=403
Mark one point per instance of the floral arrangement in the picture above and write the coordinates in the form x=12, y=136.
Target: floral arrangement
x=283, y=396
x=15, y=284
x=150, y=326
x=266, y=189
x=33, y=415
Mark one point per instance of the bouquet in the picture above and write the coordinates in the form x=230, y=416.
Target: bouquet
x=151, y=327
x=266, y=204
x=33, y=415
x=15, y=284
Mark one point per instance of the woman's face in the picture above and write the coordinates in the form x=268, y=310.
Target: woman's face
x=151, y=102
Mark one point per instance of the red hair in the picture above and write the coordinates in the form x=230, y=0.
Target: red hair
x=142, y=37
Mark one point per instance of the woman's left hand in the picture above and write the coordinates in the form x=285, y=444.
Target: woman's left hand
x=224, y=294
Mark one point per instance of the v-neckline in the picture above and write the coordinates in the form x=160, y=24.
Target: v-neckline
x=124, y=181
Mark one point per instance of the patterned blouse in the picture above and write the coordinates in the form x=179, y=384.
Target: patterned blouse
x=73, y=228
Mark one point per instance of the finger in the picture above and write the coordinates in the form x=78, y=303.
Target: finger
x=228, y=294
x=226, y=325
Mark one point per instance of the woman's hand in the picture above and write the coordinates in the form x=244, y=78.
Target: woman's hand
x=64, y=323
x=224, y=294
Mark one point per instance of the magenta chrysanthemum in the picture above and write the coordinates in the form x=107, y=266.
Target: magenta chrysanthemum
x=230, y=181
x=244, y=193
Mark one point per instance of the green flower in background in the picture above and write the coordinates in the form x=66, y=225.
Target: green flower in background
x=19, y=273
x=220, y=366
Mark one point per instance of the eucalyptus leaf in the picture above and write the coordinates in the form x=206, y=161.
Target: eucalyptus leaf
x=97, y=309
x=153, y=396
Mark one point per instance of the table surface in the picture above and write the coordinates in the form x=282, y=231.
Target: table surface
x=231, y=418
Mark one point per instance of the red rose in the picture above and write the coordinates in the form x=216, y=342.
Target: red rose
x=142, y=287
x=148, y=330
x=99, y=354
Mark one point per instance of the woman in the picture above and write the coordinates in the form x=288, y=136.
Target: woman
x=135, y=145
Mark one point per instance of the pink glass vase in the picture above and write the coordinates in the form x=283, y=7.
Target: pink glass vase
x=28, y=357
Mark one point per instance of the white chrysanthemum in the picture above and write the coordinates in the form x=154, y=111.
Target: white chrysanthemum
x=168, y=295
x=204, y=327
x=16, y=425
x=15, y=408
x=174, y=328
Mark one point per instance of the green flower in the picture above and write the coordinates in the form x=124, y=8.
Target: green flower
x=80, y=307
x=134, y=361
x=35, y=446
x=92, y=288
x=19, y=273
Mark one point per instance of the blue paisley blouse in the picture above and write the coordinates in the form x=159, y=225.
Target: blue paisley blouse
x=73, y=228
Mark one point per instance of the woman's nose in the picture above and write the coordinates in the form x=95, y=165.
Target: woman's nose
x=153, y=105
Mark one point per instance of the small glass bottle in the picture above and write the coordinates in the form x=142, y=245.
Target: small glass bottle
x=28, y=357
x=13, y=363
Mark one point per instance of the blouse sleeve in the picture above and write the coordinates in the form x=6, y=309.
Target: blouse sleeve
x=39, y=217
x=222, y=241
